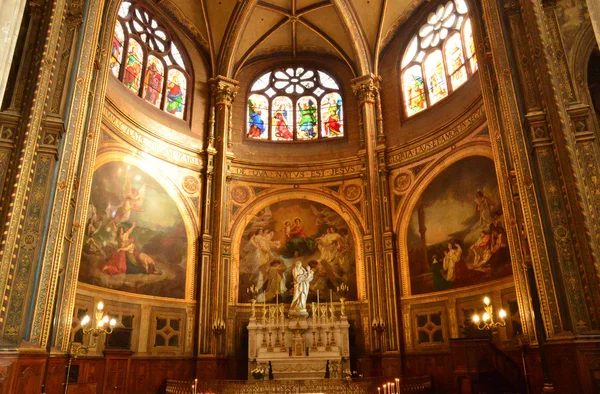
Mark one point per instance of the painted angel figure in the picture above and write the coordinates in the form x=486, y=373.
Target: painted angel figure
x=325, y=216
x=132, y=201
x=485, y=207
x=93, y=222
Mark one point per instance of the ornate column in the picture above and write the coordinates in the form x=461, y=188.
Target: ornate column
x=510, y=144
x=39, y=227
x=563, y=122
x=29, y=183
x=381, y=276
x=216, y=245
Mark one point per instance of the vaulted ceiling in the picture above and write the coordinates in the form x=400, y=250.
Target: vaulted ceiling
x=235, y=32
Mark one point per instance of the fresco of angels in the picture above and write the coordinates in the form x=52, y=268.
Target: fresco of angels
x=135, y=239
x=290, y=231
x=457, y=235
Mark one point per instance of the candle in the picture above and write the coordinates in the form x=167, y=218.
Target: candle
x=318, y=303
x=397, y=384
x=277, y=308
x=385, y=389
x=314, y=317
x=378, y=390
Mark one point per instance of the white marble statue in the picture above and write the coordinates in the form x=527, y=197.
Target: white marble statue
x=302, y=278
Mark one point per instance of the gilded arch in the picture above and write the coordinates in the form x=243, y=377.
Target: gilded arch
x=337, y=205
x=413, y=195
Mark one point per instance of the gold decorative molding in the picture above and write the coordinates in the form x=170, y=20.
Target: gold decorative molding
x=223, y=90
x=253, y=207
x=438, y=140
x=366, y=88
x=151, y=144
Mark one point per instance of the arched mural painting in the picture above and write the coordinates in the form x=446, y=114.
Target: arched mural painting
x=296, y=230
x=456, y=236
x=135, y=237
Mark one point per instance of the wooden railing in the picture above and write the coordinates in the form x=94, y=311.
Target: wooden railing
x=417, y=384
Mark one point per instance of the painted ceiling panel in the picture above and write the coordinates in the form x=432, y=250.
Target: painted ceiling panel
x=190, y=15
x=279, y=42
x=396, y=14
x=219, y=13
x=327, y=21
x=309, y=41
x=320, y=30
x=261, y=21
x=369, y=12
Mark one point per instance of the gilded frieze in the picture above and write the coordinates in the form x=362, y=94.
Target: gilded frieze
x=437, y=140
x=148, y=142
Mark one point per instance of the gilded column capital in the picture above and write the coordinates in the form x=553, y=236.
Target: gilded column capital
x=223, y=90
x=366, y=87
x=74, y=14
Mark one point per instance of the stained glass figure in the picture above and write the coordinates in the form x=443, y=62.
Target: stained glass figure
x=331, y=116
x=435, y=75
x=414, y=90
x=282, y=112
x=133, y=66
x=258, y=116
x=470, y=45
x=455, y=60
x=153, y=82
x=443, y=43
x=117, y=50
x=142, y=47
x=306, y=118
x=176, y=93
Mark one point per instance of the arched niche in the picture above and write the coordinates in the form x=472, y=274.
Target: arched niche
x=449, y=206
x=271, y=213
x=158, y=259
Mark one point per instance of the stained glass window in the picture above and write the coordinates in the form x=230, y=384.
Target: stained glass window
x=147, y=60
x=295, y=104
x=435, y=75
x=435, y=61
x=117, y=50
x=258, y=116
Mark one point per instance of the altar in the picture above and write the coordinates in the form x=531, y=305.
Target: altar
x=298, y=346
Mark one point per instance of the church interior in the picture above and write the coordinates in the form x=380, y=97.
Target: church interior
x=299, y=196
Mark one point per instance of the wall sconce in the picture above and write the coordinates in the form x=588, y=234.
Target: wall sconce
x=486, y=321
x=218, y=326
x=104, y=325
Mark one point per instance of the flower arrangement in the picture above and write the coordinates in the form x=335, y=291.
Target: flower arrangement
x=258, y=373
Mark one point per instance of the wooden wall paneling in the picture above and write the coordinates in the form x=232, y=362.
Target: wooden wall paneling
x=57, y=374
x=148, y=375
x=437, y=365
x=116, y=371
x=28, y=374
x=7, y=364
